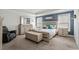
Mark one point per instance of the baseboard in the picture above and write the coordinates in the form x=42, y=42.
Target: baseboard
x=71, y=35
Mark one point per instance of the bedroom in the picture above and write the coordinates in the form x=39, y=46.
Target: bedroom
x=48, y=31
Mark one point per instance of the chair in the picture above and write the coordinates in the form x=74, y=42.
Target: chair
x=8, y=35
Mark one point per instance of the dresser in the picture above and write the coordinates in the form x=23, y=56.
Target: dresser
x=76, y=27
x=24, y=28
x=1, y=19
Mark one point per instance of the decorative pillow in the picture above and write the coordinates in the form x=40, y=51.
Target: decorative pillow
x=51, y=26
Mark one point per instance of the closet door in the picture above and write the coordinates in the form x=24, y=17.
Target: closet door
x=1, y=19
x=39, y=22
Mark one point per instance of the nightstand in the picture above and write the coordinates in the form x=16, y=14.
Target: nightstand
x=63, y=31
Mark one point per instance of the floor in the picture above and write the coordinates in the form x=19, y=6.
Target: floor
x=56, y=43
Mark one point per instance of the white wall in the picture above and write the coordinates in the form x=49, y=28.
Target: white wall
x=12, y=18
x=76, y=27
x=11, y=21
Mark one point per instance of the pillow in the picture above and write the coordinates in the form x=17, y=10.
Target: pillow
x=51, y=26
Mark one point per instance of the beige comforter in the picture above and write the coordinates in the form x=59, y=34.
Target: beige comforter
x=47, y=33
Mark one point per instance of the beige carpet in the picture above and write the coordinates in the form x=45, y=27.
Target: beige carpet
x=56, y=43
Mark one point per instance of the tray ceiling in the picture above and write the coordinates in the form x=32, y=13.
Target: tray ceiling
x=34, y=11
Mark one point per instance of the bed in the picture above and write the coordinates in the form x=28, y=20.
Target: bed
x=47, y=33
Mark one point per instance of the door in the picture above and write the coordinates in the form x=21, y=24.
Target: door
x=1, y=19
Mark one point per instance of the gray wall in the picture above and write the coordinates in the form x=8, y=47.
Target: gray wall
x=55, y=18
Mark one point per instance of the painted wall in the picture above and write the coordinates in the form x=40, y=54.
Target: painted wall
x=11, y=21
x=53, y=20
x=76, y=27
x=12, y=18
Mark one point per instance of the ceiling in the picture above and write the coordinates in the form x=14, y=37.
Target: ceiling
x=34, y=11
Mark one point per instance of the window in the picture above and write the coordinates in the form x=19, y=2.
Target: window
x=39, y=22
x=64, y=21
x=28, y=21
x=25, y=20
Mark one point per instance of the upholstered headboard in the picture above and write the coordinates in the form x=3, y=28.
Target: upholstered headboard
x=50, y=24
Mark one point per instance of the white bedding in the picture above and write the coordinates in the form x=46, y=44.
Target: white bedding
x=51, y=32
x=48, y=32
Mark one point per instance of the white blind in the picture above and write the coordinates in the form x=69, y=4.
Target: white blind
x=64, y=21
